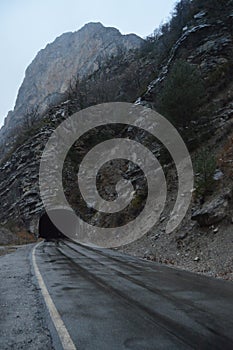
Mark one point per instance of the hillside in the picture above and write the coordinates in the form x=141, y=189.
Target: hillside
x=48, y=78
x=184, y=71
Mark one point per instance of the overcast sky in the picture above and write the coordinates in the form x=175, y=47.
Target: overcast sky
x=26, y=26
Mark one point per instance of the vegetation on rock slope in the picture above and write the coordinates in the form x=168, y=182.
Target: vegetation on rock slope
x=194, y=47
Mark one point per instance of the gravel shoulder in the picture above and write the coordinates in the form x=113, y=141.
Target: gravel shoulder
x=22, y=312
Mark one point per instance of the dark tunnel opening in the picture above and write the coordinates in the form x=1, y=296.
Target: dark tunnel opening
x=66, y=219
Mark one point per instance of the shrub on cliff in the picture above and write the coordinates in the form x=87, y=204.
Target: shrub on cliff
x=182, y=93
x=205, y=166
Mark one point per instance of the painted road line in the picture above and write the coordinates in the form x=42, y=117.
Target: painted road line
x=62, y=331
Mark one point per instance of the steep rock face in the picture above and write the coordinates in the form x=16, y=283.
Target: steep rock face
x=205, y=44
x=209, y=46
x=80, y=53
x=48, y=77
x=19, y=178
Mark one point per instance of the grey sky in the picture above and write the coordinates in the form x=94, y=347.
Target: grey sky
x=26, y=26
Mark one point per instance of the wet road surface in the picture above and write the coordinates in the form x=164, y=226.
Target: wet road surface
x=111, y=301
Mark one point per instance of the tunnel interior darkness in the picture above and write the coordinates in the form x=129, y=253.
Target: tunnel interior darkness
x=48, y=230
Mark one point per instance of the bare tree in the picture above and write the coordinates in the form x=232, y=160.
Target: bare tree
x=30, y=117
x=77, y=91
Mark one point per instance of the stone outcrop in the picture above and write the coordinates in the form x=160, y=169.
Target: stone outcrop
x=206, y=44
x=214, y=211
x=48, y=77
x=19, y=177
x=6, y=237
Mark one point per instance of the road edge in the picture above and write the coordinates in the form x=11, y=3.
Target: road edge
x=59, y=325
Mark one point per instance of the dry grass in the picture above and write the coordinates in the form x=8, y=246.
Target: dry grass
x=225, y=158
x=24, y=237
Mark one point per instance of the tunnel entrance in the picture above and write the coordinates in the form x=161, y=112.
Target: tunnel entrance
x=66, y=219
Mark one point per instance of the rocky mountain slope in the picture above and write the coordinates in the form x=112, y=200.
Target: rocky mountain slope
x=48, y=78
x=200, y=34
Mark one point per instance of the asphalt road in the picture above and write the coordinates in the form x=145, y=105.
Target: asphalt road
x=107, y=300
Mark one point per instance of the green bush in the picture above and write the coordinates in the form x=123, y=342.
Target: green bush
x=182, y=93
x=205, y=166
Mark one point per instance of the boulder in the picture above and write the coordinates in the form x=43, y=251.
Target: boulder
x=212, y=212
x=6, y=236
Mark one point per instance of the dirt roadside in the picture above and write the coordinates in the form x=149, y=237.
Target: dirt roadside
x=22, y=313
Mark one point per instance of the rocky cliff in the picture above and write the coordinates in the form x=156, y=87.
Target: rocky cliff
x=205, y=41
x=48, y=77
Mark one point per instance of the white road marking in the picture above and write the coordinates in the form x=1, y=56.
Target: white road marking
x=62, y=331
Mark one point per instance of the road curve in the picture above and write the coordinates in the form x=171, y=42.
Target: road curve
x=107, y=300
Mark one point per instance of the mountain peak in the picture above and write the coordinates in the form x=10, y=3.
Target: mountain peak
x=48, y=77
x=93, y=25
